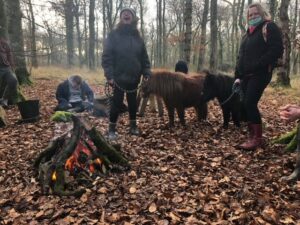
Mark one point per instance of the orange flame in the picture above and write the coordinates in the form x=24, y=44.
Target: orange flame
x=53, y=176
x=70, y=163
x=98, y=161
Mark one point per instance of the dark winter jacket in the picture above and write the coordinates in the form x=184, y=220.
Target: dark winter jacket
x=125, y=56
x=63, y=92
x=257, y=56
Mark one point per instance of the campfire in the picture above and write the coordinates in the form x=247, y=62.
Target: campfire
x=75, y=158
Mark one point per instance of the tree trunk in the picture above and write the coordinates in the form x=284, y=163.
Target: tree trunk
x=220, y=50
x=213, y=36
x=294, y=29
x=3, y=21
x=79, y=39
x=241, y=14
x=104, y=19
x=202, y=49
x=159, y=33
x=273, y=7
x=16, y=40
x=86, y=46
x=164, y=35
x=141, y=4
x=188, y=30
x=283, y=78
x=34, y=61
x=92, y=35
x=68, y=7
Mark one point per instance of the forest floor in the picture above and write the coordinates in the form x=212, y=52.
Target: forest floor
x=189, y=175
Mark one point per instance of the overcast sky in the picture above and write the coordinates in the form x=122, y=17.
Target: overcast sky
x=44, y=13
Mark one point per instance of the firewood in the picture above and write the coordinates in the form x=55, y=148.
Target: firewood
x=49, y=151
x=51, y=163
x=108, y=150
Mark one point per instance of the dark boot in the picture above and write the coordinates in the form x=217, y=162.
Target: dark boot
x=112, y=131
x=133, y=128
x=256, y=140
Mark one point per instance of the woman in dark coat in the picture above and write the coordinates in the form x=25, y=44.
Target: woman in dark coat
x=259, y=51
x=124, y=61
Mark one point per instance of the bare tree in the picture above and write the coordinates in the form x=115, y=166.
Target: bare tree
x=213, y=35
x=78, y=32
x=273, y=7
x=34, y=61
x=202, y=49
x=188, y=29
x=284, y=70
x=92, y=35
x=3, y=21
x=141, y=4
x=293, y=37
x=69, y=20
x=16, y=39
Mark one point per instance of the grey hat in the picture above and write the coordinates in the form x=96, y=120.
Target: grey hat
x=130, y=10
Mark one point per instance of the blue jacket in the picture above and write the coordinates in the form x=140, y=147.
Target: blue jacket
x=63, y=92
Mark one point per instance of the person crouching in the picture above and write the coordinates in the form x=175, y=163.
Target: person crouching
x=74, y=95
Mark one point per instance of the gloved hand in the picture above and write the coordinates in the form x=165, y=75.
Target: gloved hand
x=111, y=82
x=236, y=87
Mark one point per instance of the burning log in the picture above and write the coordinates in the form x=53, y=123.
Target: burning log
x=76, y=159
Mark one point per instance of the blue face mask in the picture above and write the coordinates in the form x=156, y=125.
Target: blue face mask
x=256, y=21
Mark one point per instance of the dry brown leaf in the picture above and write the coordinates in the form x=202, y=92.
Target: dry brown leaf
x=152, y=208
x=132, y=190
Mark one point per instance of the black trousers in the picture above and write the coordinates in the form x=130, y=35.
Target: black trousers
x=117, y=102
x=253, y=88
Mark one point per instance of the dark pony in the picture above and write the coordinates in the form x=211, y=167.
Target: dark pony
x=178, y=92
x=220, y=86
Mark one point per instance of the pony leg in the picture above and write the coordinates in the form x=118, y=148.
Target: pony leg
x=236, y=117
x=160, y=106
x=226, y=117
x=180, y=113
x=201, y=110
x=171, y=111
x=143, y=106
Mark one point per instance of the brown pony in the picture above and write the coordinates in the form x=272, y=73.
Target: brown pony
x=178, y=91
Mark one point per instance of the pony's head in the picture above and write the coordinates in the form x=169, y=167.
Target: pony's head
x=217, y=86
x=209, y=87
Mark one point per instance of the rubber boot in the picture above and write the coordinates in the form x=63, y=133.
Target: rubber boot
x=256, y=140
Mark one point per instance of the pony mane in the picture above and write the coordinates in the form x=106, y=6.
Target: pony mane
x=167, y=84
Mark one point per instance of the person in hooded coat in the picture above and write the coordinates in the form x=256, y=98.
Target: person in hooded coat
x=125, y=60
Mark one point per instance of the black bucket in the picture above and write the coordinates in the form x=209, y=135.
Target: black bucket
x=30, y=110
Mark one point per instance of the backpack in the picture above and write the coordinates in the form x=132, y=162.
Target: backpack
x=264, y=33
